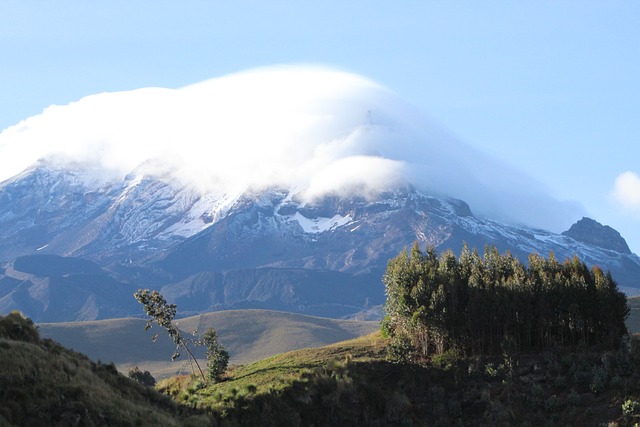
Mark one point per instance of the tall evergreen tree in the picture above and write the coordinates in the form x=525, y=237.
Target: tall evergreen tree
x=474, y=304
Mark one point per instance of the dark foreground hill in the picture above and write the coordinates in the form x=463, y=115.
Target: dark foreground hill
x=45, y=384
x=352, y=383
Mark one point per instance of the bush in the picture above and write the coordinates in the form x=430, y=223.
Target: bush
x=537, y=390
x=560, y=381
x=552, y=404
x=573, y=399
x=490, y=370
x=447, y=360
x=617, y=382
x=599, y=381
x=15, y=326
x=630, y=408
x=400, y=349
x=145, y=378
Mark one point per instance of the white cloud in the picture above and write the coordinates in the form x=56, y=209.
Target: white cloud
x=313, y=129
x=626, y=191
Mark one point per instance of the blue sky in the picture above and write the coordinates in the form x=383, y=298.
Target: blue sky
x=549, y=87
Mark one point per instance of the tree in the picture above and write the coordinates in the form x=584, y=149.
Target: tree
x=217, y=356
x=162, y=313
x=477, y=304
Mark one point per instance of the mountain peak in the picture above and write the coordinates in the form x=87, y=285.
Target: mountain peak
x=592, y=232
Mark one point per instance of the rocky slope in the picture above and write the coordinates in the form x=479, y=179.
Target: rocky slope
x=259, y=249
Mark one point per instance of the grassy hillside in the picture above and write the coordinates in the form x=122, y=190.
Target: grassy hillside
x=346, y=383
x=351, y=383
x=248, y=335
x=44, y=384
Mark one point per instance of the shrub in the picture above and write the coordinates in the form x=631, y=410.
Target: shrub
x=617, y=382
x=573, y=399
x=400, y=349
x=145, y=378
x=446, y=360
x=560, y=381
x=490, y=370
x=250, y=388
x=15, y=326
x=537, y=390
x=599, y=381
x=630, y=408
x=552, y=404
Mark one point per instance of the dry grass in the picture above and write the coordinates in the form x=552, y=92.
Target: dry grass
x=248, y=335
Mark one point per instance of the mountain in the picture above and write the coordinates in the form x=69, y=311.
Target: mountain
x=54, y=288
x=77, y=248
x=283, y=188
x=592, y=232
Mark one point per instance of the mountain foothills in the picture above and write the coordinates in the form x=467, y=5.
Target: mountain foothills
x=76, y=248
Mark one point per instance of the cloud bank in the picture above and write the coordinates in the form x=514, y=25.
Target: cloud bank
x=312, y=129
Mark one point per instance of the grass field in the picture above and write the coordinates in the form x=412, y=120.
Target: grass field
x=248, y=335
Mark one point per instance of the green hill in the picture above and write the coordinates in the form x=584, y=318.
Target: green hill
x=248, y=335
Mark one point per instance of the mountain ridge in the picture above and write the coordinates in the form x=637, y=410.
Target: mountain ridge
x=590, y=231
x=270, y=248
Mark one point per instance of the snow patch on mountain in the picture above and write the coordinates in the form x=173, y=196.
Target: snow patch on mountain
x=320, y=224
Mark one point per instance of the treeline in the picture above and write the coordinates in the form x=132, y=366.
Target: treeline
x=478, y=305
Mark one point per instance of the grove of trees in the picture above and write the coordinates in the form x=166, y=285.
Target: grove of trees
x=478, y=305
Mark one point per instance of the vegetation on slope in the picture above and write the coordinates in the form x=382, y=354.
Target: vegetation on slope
x=482, y=341
x=480, y=305
x=43, y=383
x=354, y=383
x=562, y=380
x=348, y=383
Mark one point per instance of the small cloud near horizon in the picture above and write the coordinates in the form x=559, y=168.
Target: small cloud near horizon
x=626, y=192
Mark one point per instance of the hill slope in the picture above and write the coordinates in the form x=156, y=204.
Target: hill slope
x=347, y=383
x=44, y=383
x=351, y=383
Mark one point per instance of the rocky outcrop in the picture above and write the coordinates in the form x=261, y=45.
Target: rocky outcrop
x=592, y=232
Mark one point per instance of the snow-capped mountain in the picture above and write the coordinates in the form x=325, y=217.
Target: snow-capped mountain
x=65, y=211
x=268, y=249
x=284, y=187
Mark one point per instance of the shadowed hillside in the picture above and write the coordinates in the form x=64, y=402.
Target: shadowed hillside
x=352, y=383
x=45, y=384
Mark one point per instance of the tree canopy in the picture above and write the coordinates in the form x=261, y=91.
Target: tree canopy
x=476, y=304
